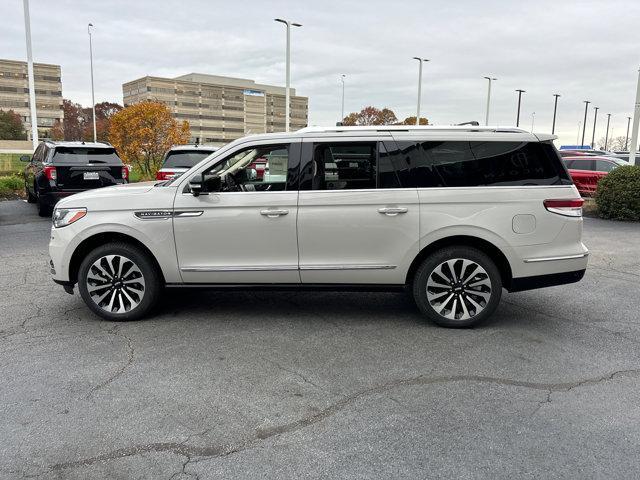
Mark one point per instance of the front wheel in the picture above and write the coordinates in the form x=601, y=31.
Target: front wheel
x=119, y=282
x=457, y=287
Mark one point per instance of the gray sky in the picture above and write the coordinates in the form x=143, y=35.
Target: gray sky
x=584, y=50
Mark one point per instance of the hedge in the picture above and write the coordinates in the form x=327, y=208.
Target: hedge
x=618, y=194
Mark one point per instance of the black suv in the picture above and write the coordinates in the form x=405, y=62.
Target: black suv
x=59, y=169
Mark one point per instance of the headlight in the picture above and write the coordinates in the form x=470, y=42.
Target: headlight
x=66, y=216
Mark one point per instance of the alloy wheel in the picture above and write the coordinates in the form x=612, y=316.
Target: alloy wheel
x=115, y=283
x=458, y=289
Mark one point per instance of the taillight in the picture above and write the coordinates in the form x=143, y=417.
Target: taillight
x=569, y=208
x=164, y=175
x=50, y=172
x=125, y=173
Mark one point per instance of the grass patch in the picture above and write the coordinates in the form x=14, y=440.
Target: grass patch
x=11, y=186
x=10, y=163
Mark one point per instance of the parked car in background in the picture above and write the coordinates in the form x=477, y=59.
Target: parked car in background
x=586, y=171
x=181, y=158
x=450, y=214
x=59, y=169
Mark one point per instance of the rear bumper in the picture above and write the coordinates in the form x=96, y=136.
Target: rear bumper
x=51, y=198
x=542, y=281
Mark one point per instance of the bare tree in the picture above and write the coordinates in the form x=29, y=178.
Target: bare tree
x=613, y=144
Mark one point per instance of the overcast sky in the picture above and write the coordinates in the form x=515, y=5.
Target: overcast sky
x=584, y=50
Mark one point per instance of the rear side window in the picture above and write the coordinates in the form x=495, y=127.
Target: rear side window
x=85, y=155
x=341, y=166
x=469, y=164
x=184, y=158
x=582, y=164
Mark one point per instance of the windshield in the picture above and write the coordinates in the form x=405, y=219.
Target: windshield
x=184, y=158
x=86, y=155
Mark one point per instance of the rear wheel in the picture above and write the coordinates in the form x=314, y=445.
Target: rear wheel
x=119, y=282
x=44, y=210
x=457, y=287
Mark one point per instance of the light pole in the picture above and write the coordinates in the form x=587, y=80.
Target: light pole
x=533, y=118
x=288, y=24
x=93, y=99
x=520, y=92
x=342, y=78
x=593, y=135
x=555, y=108
x=584, y=124
x=32, y=86
x=606, y=137
x=634, y=129
x=420, y=62
x=626, y=139
x=490, y=79
x=578, y=135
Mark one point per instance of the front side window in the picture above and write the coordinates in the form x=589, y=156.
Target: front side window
x=604, y=166
x=255, y=169
x=344, y=166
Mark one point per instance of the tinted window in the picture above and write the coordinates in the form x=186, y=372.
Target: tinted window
x=395, y=160
x=85, y=155
x=339, y=166
x=604, y=166
x=580, y=164
x=467, y=164
x=184, y=158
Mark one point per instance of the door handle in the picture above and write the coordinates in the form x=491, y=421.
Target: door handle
x=273, y=213
x=393, y=211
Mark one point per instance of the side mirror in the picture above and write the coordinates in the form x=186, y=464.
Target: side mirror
x=25, y=158
x=195, y=185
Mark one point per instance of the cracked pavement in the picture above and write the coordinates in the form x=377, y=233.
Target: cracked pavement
x=308, y=385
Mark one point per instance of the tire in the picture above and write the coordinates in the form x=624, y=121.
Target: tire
x=44, y=210
x=132, y=282
x=465, y=298
x=31, y=198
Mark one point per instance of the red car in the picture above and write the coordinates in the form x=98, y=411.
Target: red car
x=586, y=171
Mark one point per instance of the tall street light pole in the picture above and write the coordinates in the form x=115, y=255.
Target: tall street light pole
x=555, y=108
x=288, y=24
x=420, y=62
x=626, y=139
x=32, y=86
x=520, y=92
x=342, y=115
x=93, y=99
x=593, y=135
x=490, y=79
x=533, y=119
x=634, y=129
x=606, y=137
x=584, y=124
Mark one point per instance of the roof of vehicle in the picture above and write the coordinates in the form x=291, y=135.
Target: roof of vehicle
x=194, y=146
x=435, y=130
x=78, y=144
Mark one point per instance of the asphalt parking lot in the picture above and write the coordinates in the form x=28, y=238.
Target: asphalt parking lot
x=319, y=385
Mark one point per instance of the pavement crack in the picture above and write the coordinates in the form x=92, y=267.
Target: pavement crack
x=296, y=373
x=115, y=331
x=195, y=454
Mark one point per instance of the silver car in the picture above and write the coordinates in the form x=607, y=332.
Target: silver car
x=451, y=214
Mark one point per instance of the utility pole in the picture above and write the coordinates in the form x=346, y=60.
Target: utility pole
x=93, y=98
x=584, y=125
x=490, y=79
x=520, y=92
x=636, y=121
x=288, y=24
x=420, y=61
x=606, y=137
x=555, y=108
x=32, y=86
x=593, y=135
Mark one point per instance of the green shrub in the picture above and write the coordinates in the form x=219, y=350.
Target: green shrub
x=9, y=185
x=618, y=194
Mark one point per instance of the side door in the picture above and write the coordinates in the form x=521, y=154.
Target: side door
x=353, y=226
x=32, y=168
x=246, y=232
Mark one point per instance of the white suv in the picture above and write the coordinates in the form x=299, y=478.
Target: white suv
x=452, y=214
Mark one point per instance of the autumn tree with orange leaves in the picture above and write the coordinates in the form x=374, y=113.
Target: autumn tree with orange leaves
x=370, y=116
x=143, y=132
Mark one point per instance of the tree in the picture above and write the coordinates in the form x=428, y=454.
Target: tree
x=73, y=124
x=11, y=127
x=104, y=112
x=370, y=116
x=412, y=121
x=615, y=143
x=143, y=132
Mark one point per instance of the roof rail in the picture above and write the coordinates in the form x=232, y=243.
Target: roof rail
x=410, y=128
